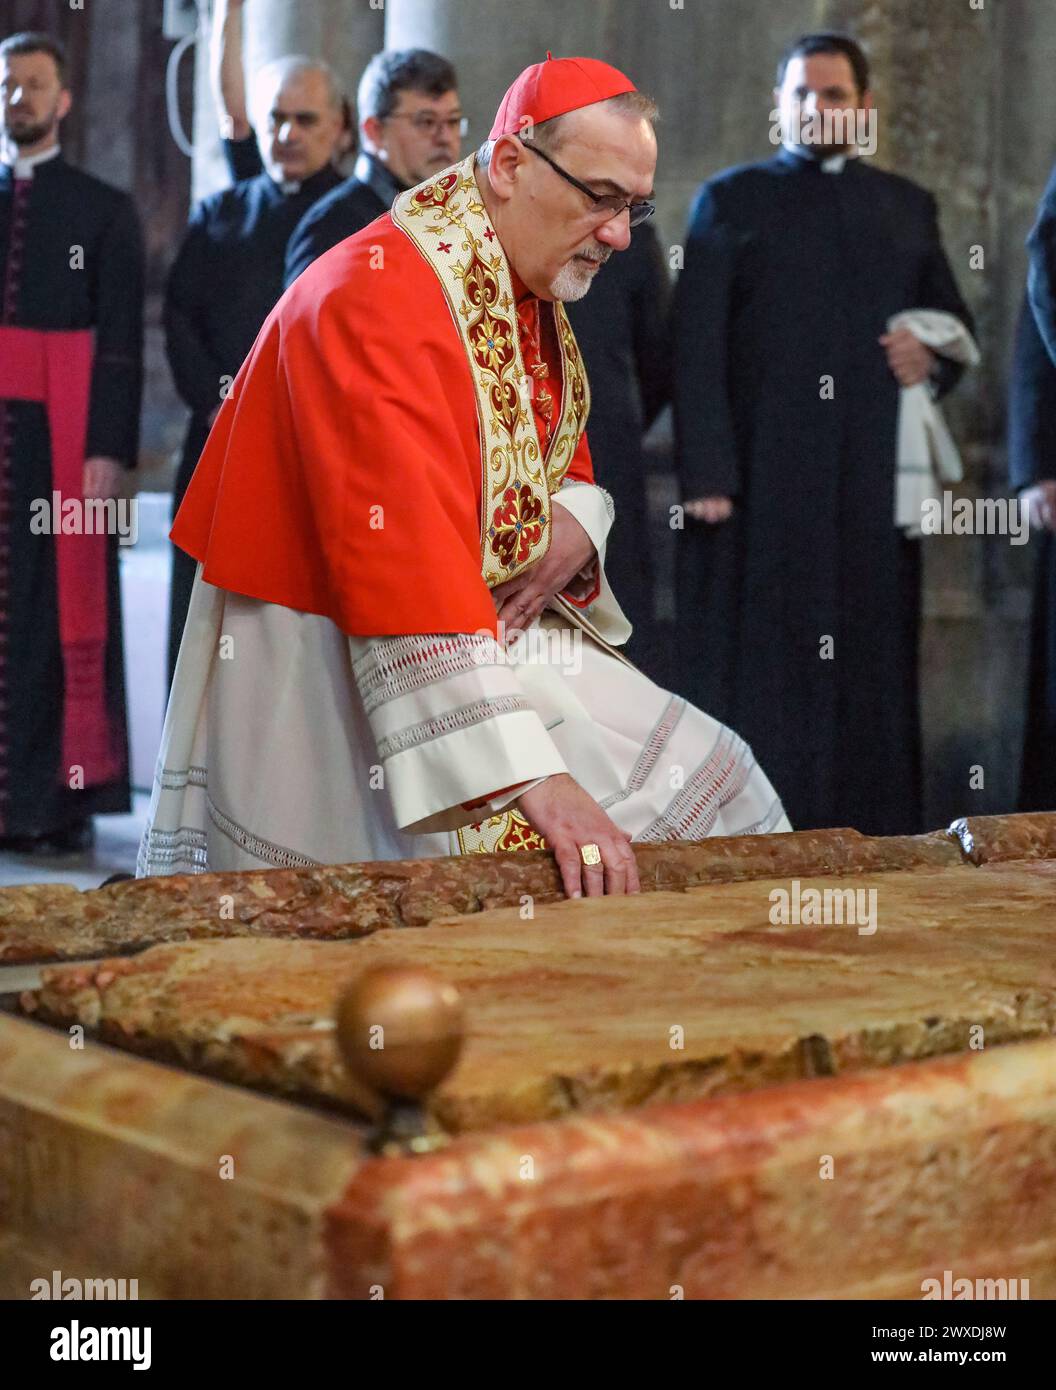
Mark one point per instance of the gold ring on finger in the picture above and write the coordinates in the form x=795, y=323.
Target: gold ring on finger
x=590, y=854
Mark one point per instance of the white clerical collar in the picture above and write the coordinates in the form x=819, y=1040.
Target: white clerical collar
x=22, y=166
x=290, y=186
x=835, y=163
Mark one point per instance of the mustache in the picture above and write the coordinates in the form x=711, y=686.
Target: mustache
x=600, y=255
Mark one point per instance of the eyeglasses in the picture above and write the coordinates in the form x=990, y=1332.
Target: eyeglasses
x=429, y=124
x=611, y=204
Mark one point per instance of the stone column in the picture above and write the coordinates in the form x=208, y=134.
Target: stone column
x=208, y=170
x=346, y=33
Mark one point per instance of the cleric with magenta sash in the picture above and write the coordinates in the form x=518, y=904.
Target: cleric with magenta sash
x=71, y=330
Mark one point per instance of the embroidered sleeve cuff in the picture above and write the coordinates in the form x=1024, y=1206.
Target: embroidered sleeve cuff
x=430, y=783
x=501, y=800
x=494, y=796
x=450, y=720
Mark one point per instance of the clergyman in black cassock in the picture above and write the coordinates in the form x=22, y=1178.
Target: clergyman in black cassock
x=622, y=328
x=227, y=277
x=792, y=272
x=1032, y=469
x=800, y=598
x=71, y=260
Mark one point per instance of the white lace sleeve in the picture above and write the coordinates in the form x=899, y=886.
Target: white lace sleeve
x=452, y=726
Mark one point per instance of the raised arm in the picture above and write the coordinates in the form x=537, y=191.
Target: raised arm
x=226, y=72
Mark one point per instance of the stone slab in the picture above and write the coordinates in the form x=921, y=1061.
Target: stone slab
x=607, y=1004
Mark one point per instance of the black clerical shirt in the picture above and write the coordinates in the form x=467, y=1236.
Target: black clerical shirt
x=353, y=205
x=227, y=278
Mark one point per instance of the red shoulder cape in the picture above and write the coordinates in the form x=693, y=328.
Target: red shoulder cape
x=343, y=474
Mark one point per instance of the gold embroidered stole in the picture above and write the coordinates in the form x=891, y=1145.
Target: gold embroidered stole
x=447, y=222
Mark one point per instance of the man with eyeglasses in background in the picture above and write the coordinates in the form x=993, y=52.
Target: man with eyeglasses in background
x=398, y=529
x=410, y=127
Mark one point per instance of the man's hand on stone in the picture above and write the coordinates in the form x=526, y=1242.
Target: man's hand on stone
x=1040, y=502
x=520, y=601
x=568, y=818
x=710, y=509
x=102, y=479
x=909, y=359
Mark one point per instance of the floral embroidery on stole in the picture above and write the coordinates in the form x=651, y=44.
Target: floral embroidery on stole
x=446, y=220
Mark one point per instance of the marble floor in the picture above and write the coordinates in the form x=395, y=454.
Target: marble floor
x=116, y=842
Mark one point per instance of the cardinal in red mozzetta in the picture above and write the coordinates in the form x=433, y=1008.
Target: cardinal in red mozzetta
x=401, y=603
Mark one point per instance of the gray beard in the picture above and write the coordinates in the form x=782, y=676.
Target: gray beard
x=571, y=283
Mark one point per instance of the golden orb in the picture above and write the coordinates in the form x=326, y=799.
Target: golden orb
x=400, y=1029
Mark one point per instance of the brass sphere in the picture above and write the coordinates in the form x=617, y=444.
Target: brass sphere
x=400, y=1030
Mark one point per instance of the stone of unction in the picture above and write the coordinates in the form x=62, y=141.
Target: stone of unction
x=335, y=902
x=575, y=1010
x=653, y=1094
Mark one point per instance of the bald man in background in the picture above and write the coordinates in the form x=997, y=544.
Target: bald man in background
x=228, y=274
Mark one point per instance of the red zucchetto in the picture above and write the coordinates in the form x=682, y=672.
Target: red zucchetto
x=554, y=88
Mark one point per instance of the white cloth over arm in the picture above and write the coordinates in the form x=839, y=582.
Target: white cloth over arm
x=926, y=453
